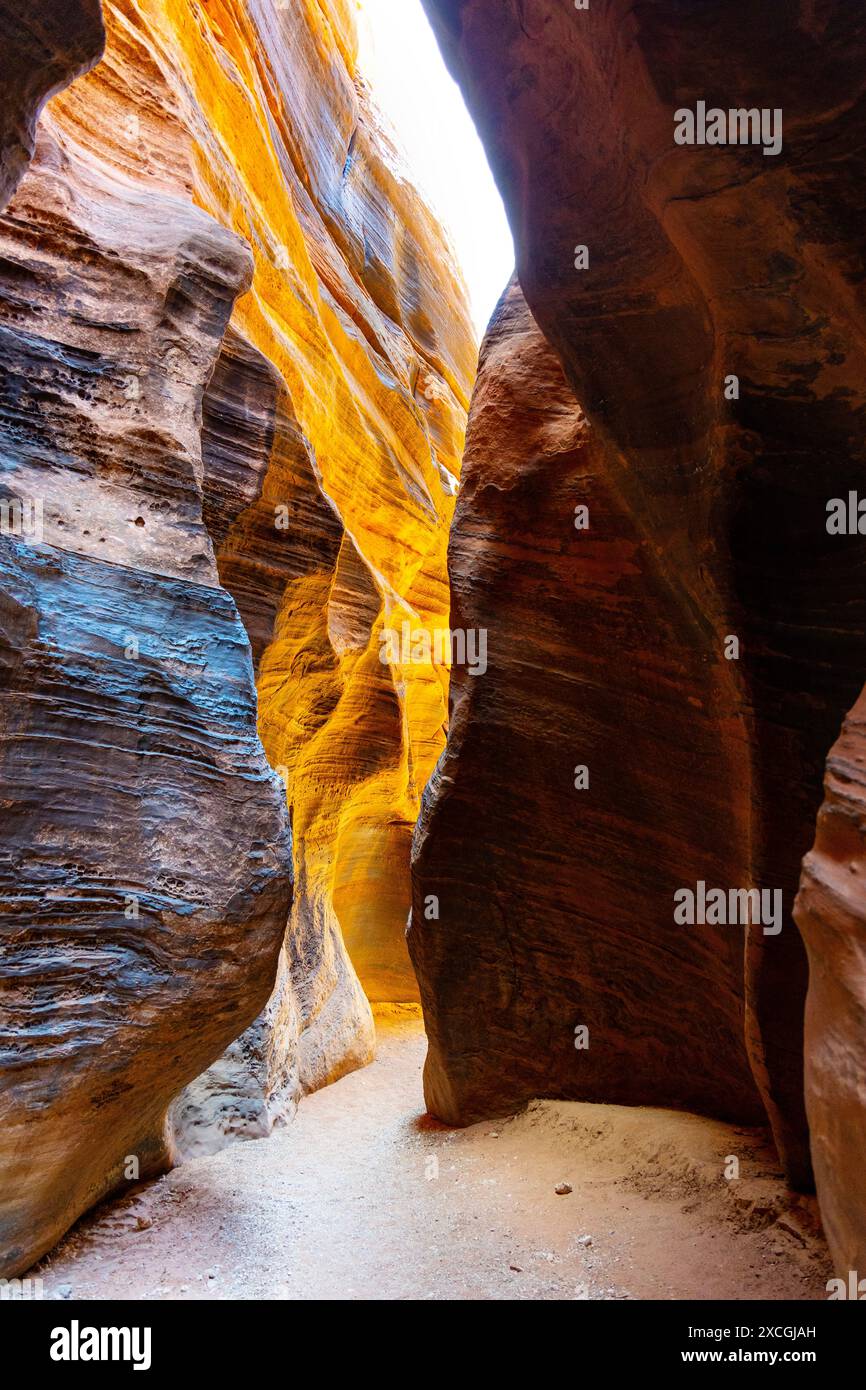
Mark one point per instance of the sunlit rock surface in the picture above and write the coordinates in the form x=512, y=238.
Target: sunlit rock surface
x=357, y=305
x=237, y=359
x=704, y=262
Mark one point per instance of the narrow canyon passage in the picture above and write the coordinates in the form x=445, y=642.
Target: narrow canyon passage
x=432, y=573
x=365, y=1197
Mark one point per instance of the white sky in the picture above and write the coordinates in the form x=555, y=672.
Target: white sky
x=401, y=60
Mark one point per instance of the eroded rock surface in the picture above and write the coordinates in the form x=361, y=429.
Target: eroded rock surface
x=358, y=308
x=831, y=914
x=45, y=45
x=708, y=515
x=564, y=897
x=237, y=358
x=146, y=862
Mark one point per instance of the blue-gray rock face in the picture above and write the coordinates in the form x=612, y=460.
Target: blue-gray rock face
x=145, y=866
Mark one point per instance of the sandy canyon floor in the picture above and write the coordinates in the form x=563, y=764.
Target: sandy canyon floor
x=365, y=1197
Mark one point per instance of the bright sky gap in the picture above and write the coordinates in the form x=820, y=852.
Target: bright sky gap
x=401, y=61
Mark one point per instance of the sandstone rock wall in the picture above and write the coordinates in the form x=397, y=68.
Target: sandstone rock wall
x=358, y=305
x=45, y=46
x=830, y=912
x=146, y=862
x=556, y=905
x=707, y=520
x=237, y=358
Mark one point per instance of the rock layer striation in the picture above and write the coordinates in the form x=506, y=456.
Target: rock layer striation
x=831, y=914
x=237, y=358
x=705, y=305
x=146, y=862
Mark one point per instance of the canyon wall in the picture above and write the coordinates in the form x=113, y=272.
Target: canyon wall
x=146, y=862
x=831, y=914
x=45, y=46
x=689, y=364
x=237, y=358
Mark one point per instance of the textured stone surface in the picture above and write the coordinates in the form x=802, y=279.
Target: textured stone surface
x=831, y=914
x=45, y=45
x=145, y=849
x=564, y=898
x=703, y=262
x=236, y=362
x=258, y=112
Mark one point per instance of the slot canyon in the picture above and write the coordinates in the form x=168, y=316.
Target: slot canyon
x=440, y=762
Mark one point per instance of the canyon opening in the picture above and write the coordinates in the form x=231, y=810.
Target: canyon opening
x=431, y=662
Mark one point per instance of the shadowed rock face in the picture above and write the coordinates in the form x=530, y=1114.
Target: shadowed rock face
x=704, y=262
x=564, y=897
x=831, y=914
x=45, y=45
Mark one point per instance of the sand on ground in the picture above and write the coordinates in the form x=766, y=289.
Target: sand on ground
x=363, y=1196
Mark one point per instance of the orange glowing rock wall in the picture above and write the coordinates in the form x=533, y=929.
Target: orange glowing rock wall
x=255, y=110
x=236, y=361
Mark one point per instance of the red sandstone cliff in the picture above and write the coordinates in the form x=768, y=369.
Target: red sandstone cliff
x=707, y=520
x=831, y=914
